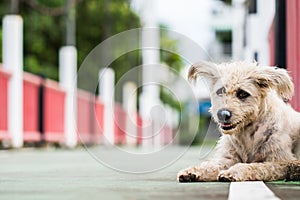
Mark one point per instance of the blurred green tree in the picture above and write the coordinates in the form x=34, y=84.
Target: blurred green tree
x=44, y=28
x=96, y=20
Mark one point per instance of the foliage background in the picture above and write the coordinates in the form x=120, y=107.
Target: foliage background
x=96, y=20
x=45, y=27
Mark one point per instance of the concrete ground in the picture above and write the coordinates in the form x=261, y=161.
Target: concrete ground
x=75, y=174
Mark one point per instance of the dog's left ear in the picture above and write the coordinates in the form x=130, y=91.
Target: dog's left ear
x=203, y=68
x=277, y=79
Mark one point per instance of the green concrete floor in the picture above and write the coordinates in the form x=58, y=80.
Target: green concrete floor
x=74, y=174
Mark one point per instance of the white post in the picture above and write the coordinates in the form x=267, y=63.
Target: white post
x=106, y=94
x=238, y=29
x=68, y=81
x=260, y=23
x=130, y=106
x=150, y=52
x=266, y=13
x=13, y=62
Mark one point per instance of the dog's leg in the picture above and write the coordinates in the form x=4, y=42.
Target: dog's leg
x=224, y=157
x=206, y=171
x=267, y=171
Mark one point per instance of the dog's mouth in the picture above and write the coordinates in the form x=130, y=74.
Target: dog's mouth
x=228, y=126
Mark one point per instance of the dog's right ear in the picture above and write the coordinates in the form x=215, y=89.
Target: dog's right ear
x=277, y=79
x=203, y=68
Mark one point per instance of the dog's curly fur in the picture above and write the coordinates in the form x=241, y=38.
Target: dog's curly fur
x=260, y=130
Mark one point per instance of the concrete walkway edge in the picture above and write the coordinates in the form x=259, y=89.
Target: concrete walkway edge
x=250, y=190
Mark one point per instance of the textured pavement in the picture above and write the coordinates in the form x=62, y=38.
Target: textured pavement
x=74, y=174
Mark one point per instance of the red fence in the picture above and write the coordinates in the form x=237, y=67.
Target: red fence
x=98, y=119
x=54, y=105
x=293, y=44
x=89, y=118
x=4, y=77
x=84, y=118
x=31, y=86
x=139, y=130
x=119, y=124
x=271, y=39
x=44, y=114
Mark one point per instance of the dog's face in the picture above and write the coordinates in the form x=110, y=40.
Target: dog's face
x=239, y=91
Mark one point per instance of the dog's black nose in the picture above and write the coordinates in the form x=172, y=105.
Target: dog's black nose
x=224, y=115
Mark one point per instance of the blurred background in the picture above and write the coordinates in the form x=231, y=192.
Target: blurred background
x=44, y=44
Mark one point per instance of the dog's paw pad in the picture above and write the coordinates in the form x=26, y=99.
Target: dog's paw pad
x=184, y=178
x=223, y=178
x=187, y=177
x=226, y=177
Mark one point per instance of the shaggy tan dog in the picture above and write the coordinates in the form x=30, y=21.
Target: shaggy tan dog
x=260, y=130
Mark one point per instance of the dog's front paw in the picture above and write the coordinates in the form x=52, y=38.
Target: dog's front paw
x=194, y=174
x=188, y=175
x=238, y=172
x=204, y=172
x=228, y=176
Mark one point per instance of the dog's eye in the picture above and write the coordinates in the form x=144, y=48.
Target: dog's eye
x=221, y=91
x=242, y=94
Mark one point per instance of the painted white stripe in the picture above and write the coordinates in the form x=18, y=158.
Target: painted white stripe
x=250, y=190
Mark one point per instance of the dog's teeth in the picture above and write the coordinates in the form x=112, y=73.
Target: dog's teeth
x=226, y=124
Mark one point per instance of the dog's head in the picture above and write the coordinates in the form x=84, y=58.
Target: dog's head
x=239, y=91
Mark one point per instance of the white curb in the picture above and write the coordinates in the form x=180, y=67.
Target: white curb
x=250, y=190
